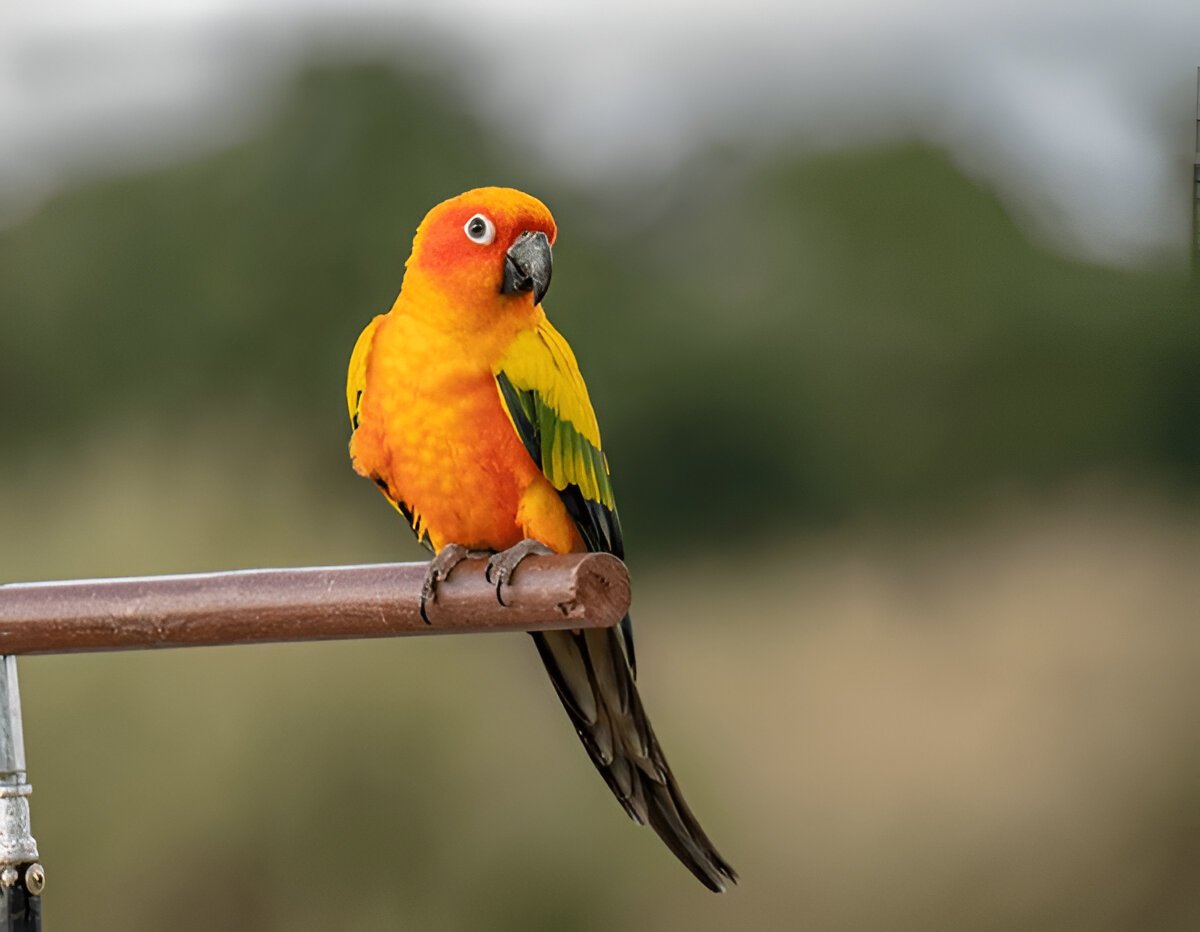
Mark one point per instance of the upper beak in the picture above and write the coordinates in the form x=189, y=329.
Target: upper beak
x=527, y=266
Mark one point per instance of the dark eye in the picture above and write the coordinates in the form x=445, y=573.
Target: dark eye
x=480, y=229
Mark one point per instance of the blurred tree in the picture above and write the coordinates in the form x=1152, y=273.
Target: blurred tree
x=812, y=339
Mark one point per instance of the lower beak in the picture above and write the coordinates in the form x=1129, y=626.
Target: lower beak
x=527, y=266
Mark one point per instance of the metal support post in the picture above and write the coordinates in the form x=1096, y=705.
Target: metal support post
x=21, y=876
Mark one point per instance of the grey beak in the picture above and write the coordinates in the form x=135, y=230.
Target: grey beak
x=527, y=266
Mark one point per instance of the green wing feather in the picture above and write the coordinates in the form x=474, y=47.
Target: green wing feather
x=546, y=399
x=547, y=402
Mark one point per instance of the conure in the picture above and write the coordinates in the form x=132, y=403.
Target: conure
x=469, y=413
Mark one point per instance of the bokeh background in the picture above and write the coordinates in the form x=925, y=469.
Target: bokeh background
x=887, y=314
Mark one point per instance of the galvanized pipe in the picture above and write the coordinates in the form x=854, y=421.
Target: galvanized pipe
x=21, y=877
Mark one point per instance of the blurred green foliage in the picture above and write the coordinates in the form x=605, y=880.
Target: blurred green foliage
x=794, y=342
x=979, y=732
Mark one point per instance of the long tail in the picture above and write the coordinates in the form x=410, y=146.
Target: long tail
x=594, y=680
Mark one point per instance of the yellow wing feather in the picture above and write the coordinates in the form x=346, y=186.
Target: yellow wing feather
x=541, y=367
x=541, y=360
x=356, y=374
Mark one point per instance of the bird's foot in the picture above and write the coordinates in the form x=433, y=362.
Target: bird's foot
x=440, y=568
x=501, y=566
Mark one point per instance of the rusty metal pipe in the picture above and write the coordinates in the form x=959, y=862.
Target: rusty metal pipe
x=306, y=604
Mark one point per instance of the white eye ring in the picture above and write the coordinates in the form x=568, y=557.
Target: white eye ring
x=480, y=229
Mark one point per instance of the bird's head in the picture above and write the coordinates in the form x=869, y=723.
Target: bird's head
x=487, y=245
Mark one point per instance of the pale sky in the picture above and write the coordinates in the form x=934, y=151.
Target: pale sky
x=1080, y=114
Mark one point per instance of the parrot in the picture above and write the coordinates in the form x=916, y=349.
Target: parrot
x=468, y=411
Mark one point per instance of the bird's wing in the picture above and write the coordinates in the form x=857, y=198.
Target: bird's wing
x=356, y=375
x=546, y=400
x=593, y=671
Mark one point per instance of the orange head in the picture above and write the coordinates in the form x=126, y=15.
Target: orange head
x=487, y=245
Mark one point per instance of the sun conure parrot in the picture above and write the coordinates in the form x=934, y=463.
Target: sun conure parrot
x=469, y=413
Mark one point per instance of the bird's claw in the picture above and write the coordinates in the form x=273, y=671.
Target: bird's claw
x=440, y=568
x=502, y=565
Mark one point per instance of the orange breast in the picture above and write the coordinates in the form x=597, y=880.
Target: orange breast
x=433, y=428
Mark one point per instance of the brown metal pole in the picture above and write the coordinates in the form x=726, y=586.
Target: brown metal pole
x=308, y=604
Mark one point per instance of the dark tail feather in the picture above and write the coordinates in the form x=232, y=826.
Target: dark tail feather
x=593, y=679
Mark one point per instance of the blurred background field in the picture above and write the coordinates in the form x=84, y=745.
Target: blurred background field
x=909, y=476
